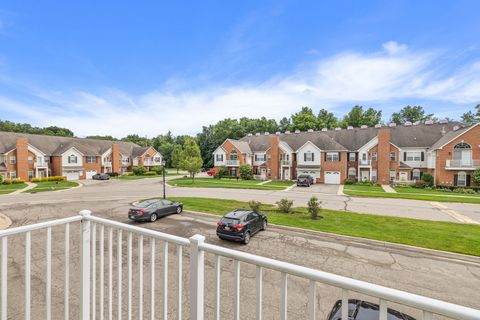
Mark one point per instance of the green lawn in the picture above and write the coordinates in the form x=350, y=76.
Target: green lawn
x=52, y=186
x=227, y=183
x=144, y=177
x=280, y=183
x=446, y=236
x=411, y=194
x=9, y=188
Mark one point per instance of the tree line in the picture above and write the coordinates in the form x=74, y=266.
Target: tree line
x=172, y=147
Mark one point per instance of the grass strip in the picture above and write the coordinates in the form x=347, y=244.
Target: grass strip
x=52, y=186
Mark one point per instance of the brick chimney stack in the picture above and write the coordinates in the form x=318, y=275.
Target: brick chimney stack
x=383, y=173
x=116, y=158
x=22, y=158
x=274, y=141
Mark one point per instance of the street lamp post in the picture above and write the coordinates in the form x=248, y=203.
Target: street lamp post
x=163, y=170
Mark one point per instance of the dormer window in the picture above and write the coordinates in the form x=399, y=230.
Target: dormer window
x=233, y=155
x=72, y=159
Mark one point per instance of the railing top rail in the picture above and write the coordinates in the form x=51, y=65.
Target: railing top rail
x=142, y=231
x=409, y=299
x=38, y=226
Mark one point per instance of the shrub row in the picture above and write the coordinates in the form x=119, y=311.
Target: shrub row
x=13, y=181
x=51, y=178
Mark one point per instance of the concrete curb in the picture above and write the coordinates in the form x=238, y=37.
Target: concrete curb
x=340, y=190
x=5, y=221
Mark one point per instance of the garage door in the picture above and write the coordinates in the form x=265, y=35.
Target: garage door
x=72, y=175
x=90, y=173
x=315, y=174
x=332, y=177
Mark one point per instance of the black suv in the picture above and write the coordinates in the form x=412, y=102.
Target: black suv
x=304, y=180
x=240, y=225
x=363, y=310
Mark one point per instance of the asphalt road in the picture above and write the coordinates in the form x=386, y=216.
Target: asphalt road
x=449, y=277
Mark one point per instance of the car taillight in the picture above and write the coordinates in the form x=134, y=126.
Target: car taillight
x=219, y=223
x=239, y=227
x=141, y=211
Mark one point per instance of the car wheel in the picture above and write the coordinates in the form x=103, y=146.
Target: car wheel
x=264, y=226
x=179, y=209
x=246, y=238
x=153, y=217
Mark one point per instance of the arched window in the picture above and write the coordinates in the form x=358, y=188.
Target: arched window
x=352, y=173
x=462, y=154
x=416, y=174
x=233, y=155
x=72, y=159
x=462, y=179
x=462, y=145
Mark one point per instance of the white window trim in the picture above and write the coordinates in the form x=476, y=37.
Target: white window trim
x=351, y=155
x=464, y=174
x=308, y=156
x=13, y=159
x=414, y=155
x=332, y=157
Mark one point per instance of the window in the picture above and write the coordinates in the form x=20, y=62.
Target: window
x=219, y=157
x=374, y=156
x=393, y=156
x=47, y=159
x=91, y=159
x=462, y=145
x=351, y=156
x=309, y=156
x=13, y=160
x=30, y=174
x=416, y=174
x=413, y=156
x=462, y=179
x=374, y=175
x=332, y=156
x=352, y=173
x=30, y=159
x=13, y=174
x=233, y=155
x=72, y=159
x=259, y=157
x=125, y=160
x=157, y=159
x=462, y=154
x=393, y=175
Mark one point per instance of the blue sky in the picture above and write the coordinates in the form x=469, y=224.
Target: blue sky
x=119, y=67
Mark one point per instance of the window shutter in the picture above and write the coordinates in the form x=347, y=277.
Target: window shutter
x=411, y=175
x=356, y=156
x=455, y=179
x=325, y=156
x=305, y=157
x=404, y=156
x=468, y=180
x=339, y=156
x=313, y=156
x=423, y=156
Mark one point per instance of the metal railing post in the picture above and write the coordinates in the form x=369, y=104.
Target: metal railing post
x=196, y=277
x=85, y=266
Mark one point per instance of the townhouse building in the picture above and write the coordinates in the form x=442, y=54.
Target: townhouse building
x=450, y=151
x=28, y=156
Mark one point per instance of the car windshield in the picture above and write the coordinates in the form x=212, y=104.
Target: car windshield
x=302, y=177
x=145, y=204
x=230, y=221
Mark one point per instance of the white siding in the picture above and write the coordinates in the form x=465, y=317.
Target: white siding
x=219, y=151
x=308, y=148
x=67, y=154
x=414, y=164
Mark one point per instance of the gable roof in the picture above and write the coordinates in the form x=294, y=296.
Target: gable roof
x=138, y=151
x=449, y=136
x=243, y=146
x=420, y=136
x=53, y=145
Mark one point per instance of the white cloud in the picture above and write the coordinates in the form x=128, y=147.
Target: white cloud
x=378, y=78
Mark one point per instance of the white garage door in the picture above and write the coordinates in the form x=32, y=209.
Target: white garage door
x=90, y=173
x=332, y=177
x=315, y=174
x=72, y=175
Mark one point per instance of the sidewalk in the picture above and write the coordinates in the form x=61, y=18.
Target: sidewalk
x=28, y=187
x=388, y=189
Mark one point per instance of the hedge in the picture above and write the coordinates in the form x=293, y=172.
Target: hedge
x=14, y=181
x=51, y=178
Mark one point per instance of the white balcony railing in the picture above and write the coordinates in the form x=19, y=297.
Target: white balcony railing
x=96, y=282
x=286, y=163
x=40, y=164
x=233, y=162
x=107, y=164
x=463, y=164
x=362, y=162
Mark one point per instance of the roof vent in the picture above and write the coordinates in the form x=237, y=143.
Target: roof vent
x=338, y=129
x=408, y=124
x=455, y=128
x=428, y=122
x=324, y=129
x=297, y=131
x=287, y=132
x=392, y=124
x=378, y=125
x=277, y=133
x=349, y=128
x=249, y=134
x=310, y=130
x=257, y=134
x=267, y=133
x=443, y=121
x=364, y=126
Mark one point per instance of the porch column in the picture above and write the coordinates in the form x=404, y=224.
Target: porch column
x=36, y=172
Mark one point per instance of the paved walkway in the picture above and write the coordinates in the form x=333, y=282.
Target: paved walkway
x=264, y=182
x=28, y=187
x=340, y=190
x=388, y=189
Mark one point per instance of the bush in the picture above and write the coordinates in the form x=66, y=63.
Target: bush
x=13, y=181
x=350, y=181
x=420, y=184
x=476, y=177
x=222, y=172
x=51, y=178
x=246, y=172
x=314, y=207
x=150, y=173
x=138, y=171
x=284, y=205
x=428, y=179
x=255, y=205
x=158, y=170
x=1, y=179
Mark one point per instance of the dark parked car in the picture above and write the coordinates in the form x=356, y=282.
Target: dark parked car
x=150, y=210
x=362, y=310
x=304, y=180
x=240, y=225
x=101, y=176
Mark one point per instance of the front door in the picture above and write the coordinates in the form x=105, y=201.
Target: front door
x=286, y=174
x=364, y=175
x=41, y=174
x=403, y=176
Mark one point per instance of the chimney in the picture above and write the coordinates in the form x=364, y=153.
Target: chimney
x=383, y=172
x=310, y=130
x=324, y=129
x=378, y=125
x=364, y=127
x=273, y=163
x=349, y=128
x=116, y=159
x=21, y=153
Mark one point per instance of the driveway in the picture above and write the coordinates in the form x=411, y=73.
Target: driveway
x=450, y=277
x=317, y=188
